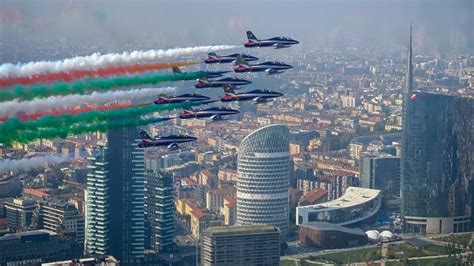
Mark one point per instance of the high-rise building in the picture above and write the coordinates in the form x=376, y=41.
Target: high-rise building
x=437, y=184
x=19, y=214
x=159, y=211
x=115, y=221
x=60, y=217
x=241, y=245
x=263, y=177
x=381, y=171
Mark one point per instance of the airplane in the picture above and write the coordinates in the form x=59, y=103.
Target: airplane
x=258, y=96
x=207, y=74
x=205, y=83
x=214, y=113
x=171, y=142
x=270, y=67
x=276, y=42
x=214, y=58
x=183, y=98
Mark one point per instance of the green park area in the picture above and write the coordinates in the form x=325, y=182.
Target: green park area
x=458, y=239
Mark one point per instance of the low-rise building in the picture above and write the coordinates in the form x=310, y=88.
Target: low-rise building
x=330, y=236
x=229, y=211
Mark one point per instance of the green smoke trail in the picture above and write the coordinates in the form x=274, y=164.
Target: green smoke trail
x=88, y=85
x=64, y=125
x=77, y=129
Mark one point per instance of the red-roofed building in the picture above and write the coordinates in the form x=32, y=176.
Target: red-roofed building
x=207, y=178
x=35, y=193
x=314, y=197
x=215, y=197
x=202, y=219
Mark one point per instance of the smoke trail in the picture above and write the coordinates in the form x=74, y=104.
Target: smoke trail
x=77, y=129
x=15, y=107
x=72, y=111
x=88, y=85
x=77, y=74
x=13, y=129
x=30, y=163
x=98, y=60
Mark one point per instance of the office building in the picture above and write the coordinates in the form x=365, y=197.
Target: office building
x=60, y=217
x=263, y=170
x=241, y=245
x=437, y=186
x=35, y=247
x=159, y=211
x=115, y=221
x=381, y=171
x=19, y=213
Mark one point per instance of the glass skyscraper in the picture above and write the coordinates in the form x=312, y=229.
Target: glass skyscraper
x=159, y=210
x=263, y=177
x=115, y=219
x=437, y=175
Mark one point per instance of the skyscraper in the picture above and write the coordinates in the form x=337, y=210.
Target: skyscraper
x=437, y=182
x=263, y=177
x=381, y=171
x=115, y=198
x=159, y=210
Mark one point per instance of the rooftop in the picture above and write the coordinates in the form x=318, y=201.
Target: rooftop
x=244, y=229
x=352, y=197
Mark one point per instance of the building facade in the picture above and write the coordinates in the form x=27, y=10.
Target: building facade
x=241, y=245
x=19, y=214
x=381, y=171
x=159, y=210
x=356, y=205
x=330, y=236
x=437, y=186
x=115, y=223
x=60, y=217
x=263, y=169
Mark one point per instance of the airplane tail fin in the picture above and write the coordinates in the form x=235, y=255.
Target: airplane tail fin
x=251, y=36
x=241, y=61
x=212, y=55
x=228, y=89
x=176, y=70
x=144, y=135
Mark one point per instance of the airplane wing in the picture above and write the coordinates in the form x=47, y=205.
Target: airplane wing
x=216, y=117
x=279, y=46
x=272, y=71
x=172, y=146
x=257, y=99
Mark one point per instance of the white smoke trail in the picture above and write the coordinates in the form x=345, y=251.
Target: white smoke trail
x=12, y=108
x=98, y=60
x=30, y=163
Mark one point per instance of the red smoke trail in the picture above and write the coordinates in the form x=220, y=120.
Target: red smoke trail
x=72, y=111
x=77, y=74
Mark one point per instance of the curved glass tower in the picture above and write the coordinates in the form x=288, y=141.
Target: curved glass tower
x=263, y=177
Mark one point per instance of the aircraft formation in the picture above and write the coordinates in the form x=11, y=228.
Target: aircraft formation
x=229, y=84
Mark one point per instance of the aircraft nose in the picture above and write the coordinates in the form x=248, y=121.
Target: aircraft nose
x=296, y=42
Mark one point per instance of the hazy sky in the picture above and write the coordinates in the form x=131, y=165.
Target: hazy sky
x=438, y=25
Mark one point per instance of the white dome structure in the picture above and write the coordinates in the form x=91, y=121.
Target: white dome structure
x=373, y=235
x=386, y=235
x=263, y=177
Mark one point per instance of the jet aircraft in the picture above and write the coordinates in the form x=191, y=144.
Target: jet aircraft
x=276, y=42
x=269, y=67
x=207, y=74
x=171, y=142
x=205, y=83
x=214, y=113
x=213, y=58
x=183, y=98
x=258, y=96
